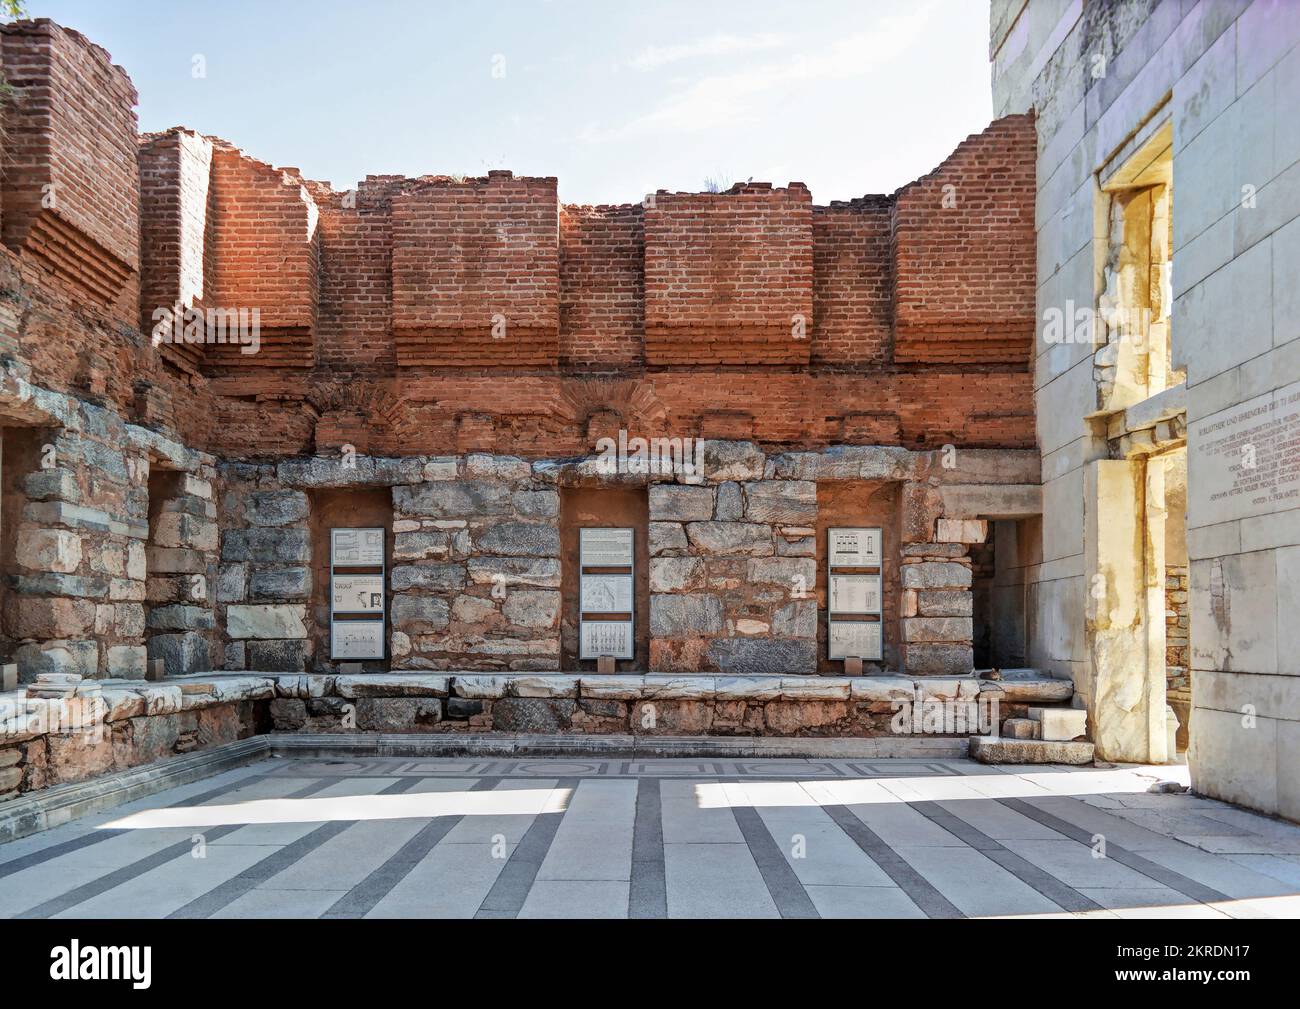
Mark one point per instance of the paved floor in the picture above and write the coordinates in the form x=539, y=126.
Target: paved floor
x=495, y=838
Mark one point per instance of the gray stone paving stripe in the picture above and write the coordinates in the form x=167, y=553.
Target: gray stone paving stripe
x=1061, y=894
x=921, y=891
x=648, y=892
x=791, y=899
x=117, y=877
x=232, y=889
x=516, y=878
x=95, y=836
x=362, y=898
x=1174, y=880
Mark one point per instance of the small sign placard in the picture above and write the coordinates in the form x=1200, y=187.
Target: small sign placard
x=606, y=637
x=854, y=594
x=357, y=639
x=358, y=593
x=854, y=548
x=605, y=548
x=357, y=547
x=854, y=637
x=606, y=593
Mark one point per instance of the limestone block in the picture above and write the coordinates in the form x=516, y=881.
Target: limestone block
x=415, y=546
x=682, y=615
x=961, y=531
x=730, y=506
x=665, y=536
x=179, y=529
x=516, y=539
x=796, y=619
x=428, y=576
x=675, y=574
x=793, y=501
x=34, y=617
x=760, y=656
x=731, y=538
x=990, y=750
x=392, y=685
x=497, y=467
x=234, y=655
x=48, y=550
x=882, y=689
x=612, y=687
x=232, y=583
x=473, y=610
x=397, y=714
x=539, y=572
x=270, y=620
x=747, y=688
x=280, y=583
x=733, y=460
x=816, y=688
x=845, y=462
x=943, y=603
x=185, y=652
x=795, y=574
x=532, y=714
x=936, y=575
x=1060, y=723
x=266, y=546
x=532, y=607
x=53, y=484
x=180, y=617
x=1028, y=685
x=680, y=503
x=543, y=686
x=678, y=688
x=136, y=560
x=948, y=688
x=480, y=687
x=939, y=658
x=535, y=503
x=279, y=656
x=419, y=614
x=76, y=657
x=453, y=499
x=957, y=629
x=440, y=468
x=1020, y=728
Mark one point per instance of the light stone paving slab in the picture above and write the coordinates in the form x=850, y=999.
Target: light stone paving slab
x=683, y=837
x=715, y=880
x=594, y=840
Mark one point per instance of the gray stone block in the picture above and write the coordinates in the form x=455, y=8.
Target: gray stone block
x=288, y=656
x=267, y=546
x=428, y=576
x=680, y=503
x=276, y=507
x=532, y=714
x=731, y=538
x=520, y=539
x=397, y=714
x=792, y=501
x=730, y=505
x=763, y=656
x=674, y=616
x=280, y=583
x=420, y=614
x=182, y=653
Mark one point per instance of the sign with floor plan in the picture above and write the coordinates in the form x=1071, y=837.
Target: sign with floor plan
x=357, y=580
x=853, y=548
x=356, y=547
x=357, y=639
x=606, y=593
x=849, y=638
x=606, y=637
x=854, y=594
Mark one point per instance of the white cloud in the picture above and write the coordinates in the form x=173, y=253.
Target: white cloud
x=653, y=57
x=734, y=98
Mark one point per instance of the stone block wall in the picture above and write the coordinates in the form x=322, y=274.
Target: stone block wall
x=181, y=565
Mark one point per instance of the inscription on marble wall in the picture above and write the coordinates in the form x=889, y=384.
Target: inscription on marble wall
x=1245, y=460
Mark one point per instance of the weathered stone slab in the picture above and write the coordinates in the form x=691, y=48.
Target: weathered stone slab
x=749, y=656
x=453, y=499
x=675, y=574
x=680, y=503
x=613, y=688
x=746, y=688
x=280, y=583
x=849, y=462
x=267, y=546
x=678, y=688
x=428, y=576
x=540, y=572
x=477, y=686
x=271, y=620
x=532, y=714
x=420, y=614
x=665, y=536
x=882, y=689
x=792, y=501
x=553, y=685
x=733, y=460
x=936, y=575
x=514, y=539
x=988, y=750
x=816, y=688
x=1027, y=685
x=534, y=608
x=731, y=538
x=683, y=615
x=392, y=685
x=943, y=629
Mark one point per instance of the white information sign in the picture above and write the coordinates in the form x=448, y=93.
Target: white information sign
x=854, y=548
x=357, y=639
x=358, y=593
x=605, y=548
x=854, y=593
x=606, y=593
x=854, y=638
x=606, y=637
x=357, y=547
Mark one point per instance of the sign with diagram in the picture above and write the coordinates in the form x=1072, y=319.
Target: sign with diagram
x=606, y=593
x=854, y=593
x=849, y=638
x=607, y=637
x=854, y=548
x=357, y=573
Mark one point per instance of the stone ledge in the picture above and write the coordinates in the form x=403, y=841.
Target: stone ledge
x=994, y=750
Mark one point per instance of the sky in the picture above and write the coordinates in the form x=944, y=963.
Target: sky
x=617, y=98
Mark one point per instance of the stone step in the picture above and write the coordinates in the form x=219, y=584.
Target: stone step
x=991, y=750
x=1060, y=724
x=1019, y=728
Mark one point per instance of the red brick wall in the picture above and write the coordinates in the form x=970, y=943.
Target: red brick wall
x=727, y=274
x=71, y=189
x=476, y=272
x=965, y=271
x=672, y=319
x=852, y=283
